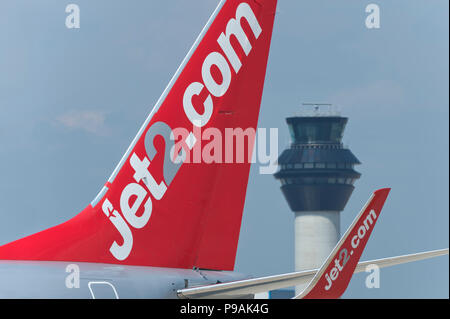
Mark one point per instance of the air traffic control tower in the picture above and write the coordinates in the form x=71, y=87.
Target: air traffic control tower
x=317, y=176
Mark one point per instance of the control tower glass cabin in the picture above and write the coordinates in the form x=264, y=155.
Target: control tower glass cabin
x=317, y=171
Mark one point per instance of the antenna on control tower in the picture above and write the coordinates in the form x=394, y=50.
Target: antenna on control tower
x=320, y=109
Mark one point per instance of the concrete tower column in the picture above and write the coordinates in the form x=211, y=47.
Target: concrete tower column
x=316, y=234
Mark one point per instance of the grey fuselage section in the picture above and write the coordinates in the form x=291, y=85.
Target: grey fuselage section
x=42, y=279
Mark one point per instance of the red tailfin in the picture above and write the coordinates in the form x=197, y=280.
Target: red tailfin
x=153, y=211
x=333, y=277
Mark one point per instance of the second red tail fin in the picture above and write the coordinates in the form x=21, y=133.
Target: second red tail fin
x=334, y=276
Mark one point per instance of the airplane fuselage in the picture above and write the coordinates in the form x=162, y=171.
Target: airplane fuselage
x=41, y=279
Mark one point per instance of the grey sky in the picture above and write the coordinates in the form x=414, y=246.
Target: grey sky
x=72, y=100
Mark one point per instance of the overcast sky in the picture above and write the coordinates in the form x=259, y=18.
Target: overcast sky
x=72, y=100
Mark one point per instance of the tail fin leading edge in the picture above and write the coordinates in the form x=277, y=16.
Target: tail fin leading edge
x=157, y=212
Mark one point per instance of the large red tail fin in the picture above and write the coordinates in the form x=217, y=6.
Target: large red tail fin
x=157, y=211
